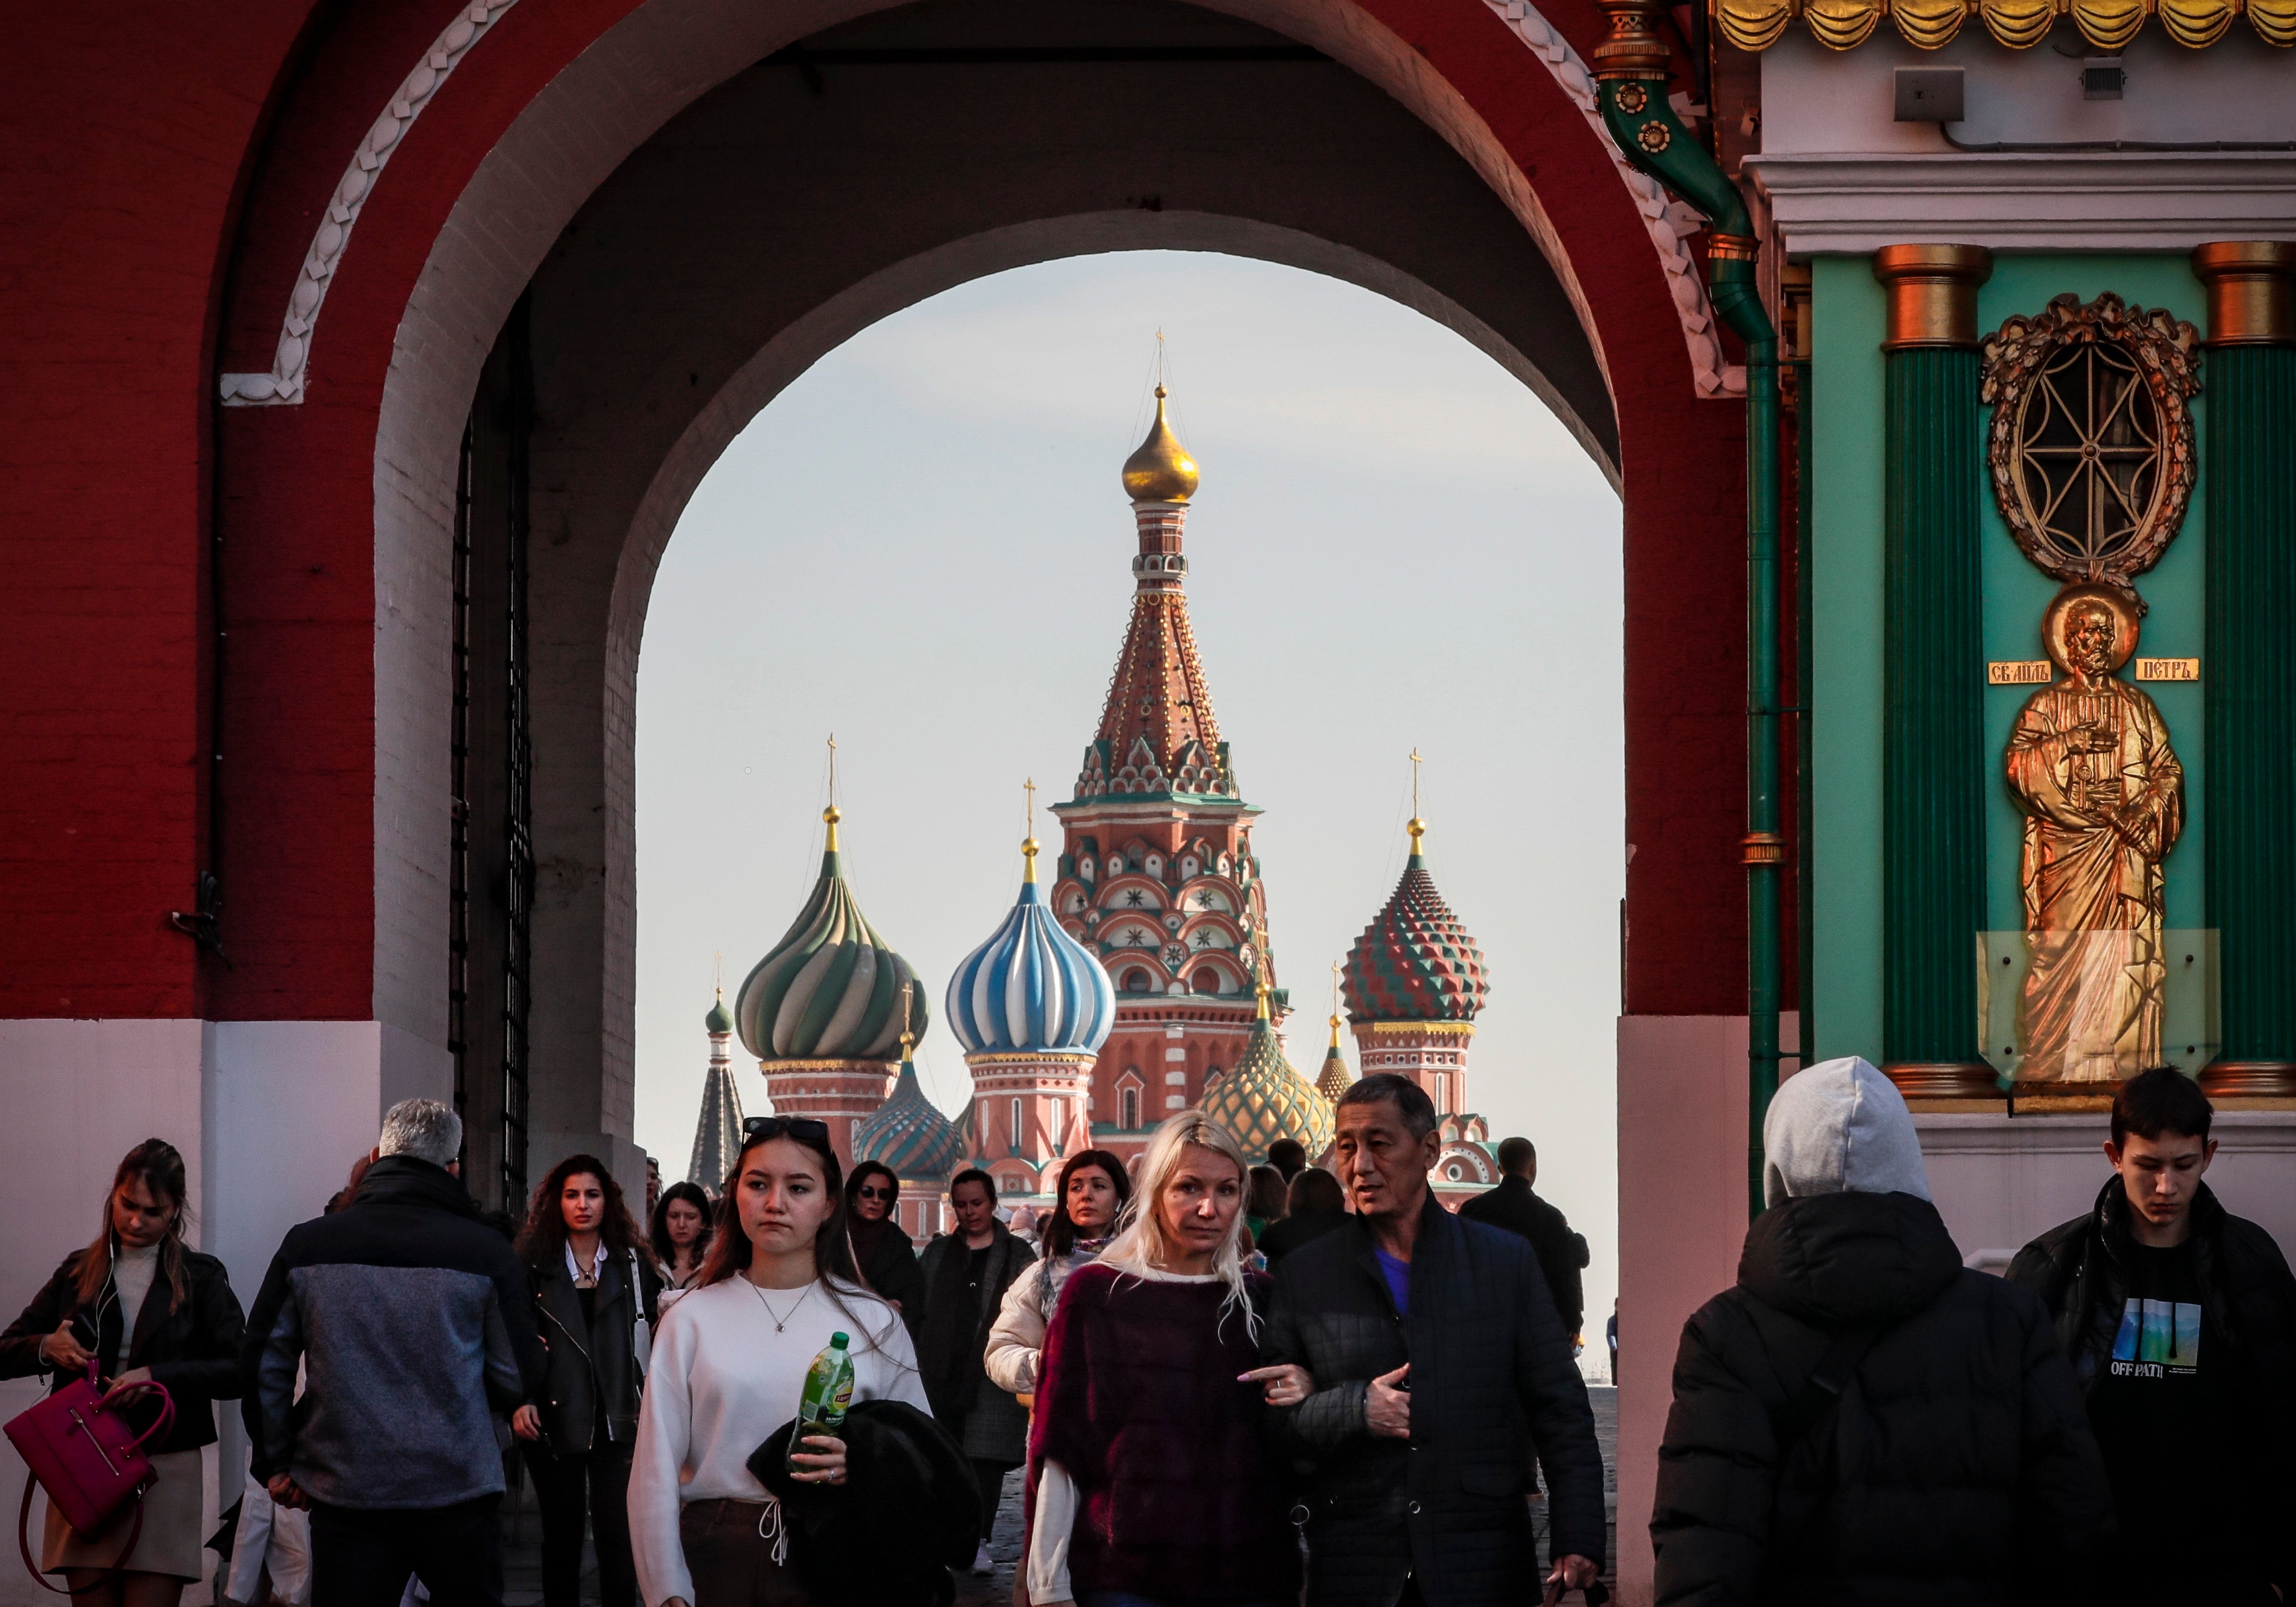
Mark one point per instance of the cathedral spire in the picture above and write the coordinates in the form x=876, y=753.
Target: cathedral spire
x=1158, y=735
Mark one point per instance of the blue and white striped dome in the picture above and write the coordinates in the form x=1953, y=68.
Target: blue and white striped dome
x=1031, y=989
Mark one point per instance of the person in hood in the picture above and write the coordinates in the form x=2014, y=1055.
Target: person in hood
x=412, y=1319
x=2181, y=1321
x=1862, y=1419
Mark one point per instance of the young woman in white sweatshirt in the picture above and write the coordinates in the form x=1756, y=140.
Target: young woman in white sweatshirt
x=729, y=1365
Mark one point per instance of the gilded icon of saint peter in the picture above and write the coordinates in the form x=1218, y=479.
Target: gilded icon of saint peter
x=2103, y=797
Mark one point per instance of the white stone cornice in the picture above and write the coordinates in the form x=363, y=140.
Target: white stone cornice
x=1851, y=203
x=283, y=387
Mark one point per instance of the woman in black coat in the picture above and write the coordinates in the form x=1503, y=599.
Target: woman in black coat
x=147, y=1309
x=595, y=1288
x=885, y=1253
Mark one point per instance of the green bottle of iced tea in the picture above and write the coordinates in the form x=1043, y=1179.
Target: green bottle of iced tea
x=828, y=1391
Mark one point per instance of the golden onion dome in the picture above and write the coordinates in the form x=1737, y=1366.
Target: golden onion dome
x=1262, y=1099
x=1161, y=470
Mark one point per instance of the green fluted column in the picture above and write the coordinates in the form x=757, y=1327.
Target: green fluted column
x=1934, y=765
x=2249, y=674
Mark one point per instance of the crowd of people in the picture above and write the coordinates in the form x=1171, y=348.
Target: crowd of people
x=1229, y=1385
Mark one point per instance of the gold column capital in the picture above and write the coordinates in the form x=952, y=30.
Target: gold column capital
x=1932, y=293
x=1634, y=49
x=2248, y=291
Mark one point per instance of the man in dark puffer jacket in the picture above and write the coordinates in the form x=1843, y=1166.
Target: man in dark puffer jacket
x=1956, y=1465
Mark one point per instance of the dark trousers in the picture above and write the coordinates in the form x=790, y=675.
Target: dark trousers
x=563, y=1486
x=362, y=1558
x=990, y=1477
x=729, y=1550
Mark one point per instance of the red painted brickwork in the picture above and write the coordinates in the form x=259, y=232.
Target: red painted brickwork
x=120, y=162
x=124, y=138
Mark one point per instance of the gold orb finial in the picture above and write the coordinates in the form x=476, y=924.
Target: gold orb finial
x=830, y=817
x=1161, y=470
x=1263, y=990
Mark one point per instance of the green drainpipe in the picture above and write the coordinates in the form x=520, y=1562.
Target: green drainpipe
x=1630, y=68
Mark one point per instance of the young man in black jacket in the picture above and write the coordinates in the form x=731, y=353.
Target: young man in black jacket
x=2180, y=1320
x=1515, y=1205
x=1862, y=1422
x=1441, y=1375
x=413, y=1323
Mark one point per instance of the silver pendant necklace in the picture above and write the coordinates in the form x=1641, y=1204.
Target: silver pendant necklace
x=780, y=1321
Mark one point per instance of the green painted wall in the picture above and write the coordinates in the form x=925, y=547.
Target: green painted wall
x=1846, y=591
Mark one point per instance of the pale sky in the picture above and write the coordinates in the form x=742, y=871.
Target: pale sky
x=922, y=546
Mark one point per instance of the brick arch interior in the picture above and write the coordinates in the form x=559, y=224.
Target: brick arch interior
x=788, y=208
x=692, y=224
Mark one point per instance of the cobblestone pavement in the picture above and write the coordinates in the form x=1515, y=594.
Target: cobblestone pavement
x=522, y=1530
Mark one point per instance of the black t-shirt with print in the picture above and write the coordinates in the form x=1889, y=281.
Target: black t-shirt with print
x=2159, y=1410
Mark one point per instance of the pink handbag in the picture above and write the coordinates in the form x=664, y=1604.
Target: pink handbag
x=84, y=1455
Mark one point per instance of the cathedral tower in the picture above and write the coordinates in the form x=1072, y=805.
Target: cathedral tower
x=1157, y=876
x=1414, y=983
x=822, y=1011
x=717, y=1131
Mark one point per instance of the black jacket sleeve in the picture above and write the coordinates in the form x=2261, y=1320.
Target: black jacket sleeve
x=20, y=1344
x=2064, y=1502
x=518, y=1367
x=1717, y=1476
x=209, y=1369
x=269, y=1356
x=1331, y=1417
x=1553, y=1395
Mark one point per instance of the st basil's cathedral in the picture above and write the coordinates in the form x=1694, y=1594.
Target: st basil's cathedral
x=1134, y=981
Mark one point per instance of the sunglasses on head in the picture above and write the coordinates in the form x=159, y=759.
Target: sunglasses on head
x=774, y=1127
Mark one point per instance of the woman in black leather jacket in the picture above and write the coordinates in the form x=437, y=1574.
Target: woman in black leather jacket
x=595, y=1289
x=146, y=1309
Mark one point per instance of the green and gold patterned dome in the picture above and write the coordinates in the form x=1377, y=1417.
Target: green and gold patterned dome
x=832, y=988
x=1262, y=1099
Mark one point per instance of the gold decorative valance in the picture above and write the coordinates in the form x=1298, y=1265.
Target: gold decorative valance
x=2108, y=25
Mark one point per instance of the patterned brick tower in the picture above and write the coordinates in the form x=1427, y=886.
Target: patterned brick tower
x=1157, y=876
x=822, y=1011
x=1032, y=1008
x=1414, y=982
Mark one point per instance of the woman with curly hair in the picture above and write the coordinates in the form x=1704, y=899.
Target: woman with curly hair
x=595, y=1289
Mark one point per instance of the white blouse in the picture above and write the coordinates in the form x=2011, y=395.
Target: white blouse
x=722, y=1379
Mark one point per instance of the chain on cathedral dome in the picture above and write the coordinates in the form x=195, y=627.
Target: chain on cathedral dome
x=1415, y=961
x=1160, y=469
x=831, y=989
x=1031, y=989
x=908, y=1135
x=1262, y=1099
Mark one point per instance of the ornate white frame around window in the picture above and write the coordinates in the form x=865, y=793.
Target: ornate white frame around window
x=1669, y=222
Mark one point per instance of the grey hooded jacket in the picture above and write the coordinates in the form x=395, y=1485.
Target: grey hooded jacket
x=413, y=1322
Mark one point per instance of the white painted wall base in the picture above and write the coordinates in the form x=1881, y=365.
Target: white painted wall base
x=2000, y=1182
x=1681, y=1219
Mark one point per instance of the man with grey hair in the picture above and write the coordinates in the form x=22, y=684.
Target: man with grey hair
x=412, y=1324
x=1862, y=1419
